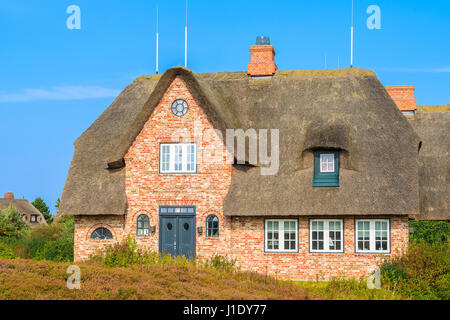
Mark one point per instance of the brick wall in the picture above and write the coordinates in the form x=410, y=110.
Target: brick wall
x=248, y=249
x=85, y=225
x=262, y=61
x=403, y=96
x=240, y=237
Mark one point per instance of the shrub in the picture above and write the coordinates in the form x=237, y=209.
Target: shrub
x=123, y=254
x=6, y=252
x=11, y=223
x=431, y=232
x=52, y=242
x=422, y=273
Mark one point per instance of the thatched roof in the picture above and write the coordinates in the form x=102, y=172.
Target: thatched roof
x=347, y=109
x=432, y=124
x=24, y=207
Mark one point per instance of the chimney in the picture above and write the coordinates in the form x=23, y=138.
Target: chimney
x=9, y=195
x=403, y=96
x=262, y=58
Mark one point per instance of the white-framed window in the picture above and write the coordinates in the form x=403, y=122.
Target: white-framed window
x=372, y=236
x=326, y=235
x=33, y=218
x=327, y=162
x=281, y=235
x=178, y=158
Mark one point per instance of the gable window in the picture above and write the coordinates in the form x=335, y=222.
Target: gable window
x=281, y=235
x=101, y=234
x=143, y=226
x=326, y=235
x=372, y=236
x=212, y=226
x=326, y=169
x=178, y=158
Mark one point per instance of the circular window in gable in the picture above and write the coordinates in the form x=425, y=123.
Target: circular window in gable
x=179, y=107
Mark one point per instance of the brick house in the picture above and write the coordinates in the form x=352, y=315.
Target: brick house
x=331, y=196
x=32, y=216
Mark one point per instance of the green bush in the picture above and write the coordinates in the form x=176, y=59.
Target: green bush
x=11, y=223
x=51, y=242
x=422, y=273
x=6, y=252
x=123, y=254
x=431, y=232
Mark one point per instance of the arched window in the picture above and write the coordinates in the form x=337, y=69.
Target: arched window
x=212, y=226
x=143, y=226
x=101, y=234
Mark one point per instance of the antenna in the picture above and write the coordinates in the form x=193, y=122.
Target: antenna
x=186, y=36
x=157, y=39
x=351, y=50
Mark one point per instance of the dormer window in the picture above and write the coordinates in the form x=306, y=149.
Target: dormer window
x=326, y=168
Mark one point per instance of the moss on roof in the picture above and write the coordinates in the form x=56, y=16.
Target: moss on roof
x=436, y=108
x=281, y=74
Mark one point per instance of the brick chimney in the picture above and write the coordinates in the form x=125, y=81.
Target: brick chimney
x=262, y=58
x=403, y=96
x=9, y=195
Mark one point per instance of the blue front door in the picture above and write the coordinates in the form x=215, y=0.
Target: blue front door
x=177, y=231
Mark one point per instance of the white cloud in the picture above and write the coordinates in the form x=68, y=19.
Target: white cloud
x=59, y=93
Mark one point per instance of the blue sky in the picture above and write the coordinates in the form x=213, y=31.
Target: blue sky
x=55, y=82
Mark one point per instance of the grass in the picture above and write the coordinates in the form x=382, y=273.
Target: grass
x=38, y=280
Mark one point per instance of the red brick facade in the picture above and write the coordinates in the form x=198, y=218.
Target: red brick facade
x=403, y=96
x=262, y=61
x=240, y=237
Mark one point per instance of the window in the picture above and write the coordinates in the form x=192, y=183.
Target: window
x=33, y=218
x=281, y=236
x=212, y=226
x=101, y=234
x=326, y=235
x=372, y=236
x=179, y=107
x=178, y=158
x=326, y=169
x=143, y=226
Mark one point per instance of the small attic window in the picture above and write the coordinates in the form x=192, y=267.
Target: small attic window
x=326, y=168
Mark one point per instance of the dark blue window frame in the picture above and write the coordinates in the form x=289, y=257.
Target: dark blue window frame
x=326, y=179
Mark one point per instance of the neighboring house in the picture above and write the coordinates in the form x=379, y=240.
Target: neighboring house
x=156, y=165
x=32, y=216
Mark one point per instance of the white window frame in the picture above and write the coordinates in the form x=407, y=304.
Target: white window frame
x=33, y=218
x=372, y=236
x=173, y=157
x=280, y=235
x=322, y=160
x=326, y=236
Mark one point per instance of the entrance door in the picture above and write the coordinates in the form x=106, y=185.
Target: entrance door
x=177, y=231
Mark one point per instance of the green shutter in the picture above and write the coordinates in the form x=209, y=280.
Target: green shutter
x=326, y=179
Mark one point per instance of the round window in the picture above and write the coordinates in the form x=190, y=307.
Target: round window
x=186, y=226
x=169, y=226
x=179, y=107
